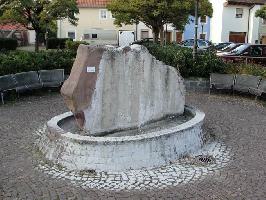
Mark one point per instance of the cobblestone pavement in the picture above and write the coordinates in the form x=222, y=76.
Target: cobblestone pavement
x=238, y=123
x=210, y=159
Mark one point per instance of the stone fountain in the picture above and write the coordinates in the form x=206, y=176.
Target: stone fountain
x=127, y=111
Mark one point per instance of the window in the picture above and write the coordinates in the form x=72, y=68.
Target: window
x=71, y=34
x=203, y=20
x=94, y=36
x=144, y=34
x=103, y=14
x=239, y=12
x=203, y=36
x=86, y=36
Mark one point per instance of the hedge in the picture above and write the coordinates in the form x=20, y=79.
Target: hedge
x=8, y=44
x=251, y=69
x=12, y=62
x=180, y=57
x=73, y=45
x=22, y=61
x=57, y=43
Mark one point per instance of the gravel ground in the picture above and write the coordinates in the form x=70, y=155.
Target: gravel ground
x=238, y=122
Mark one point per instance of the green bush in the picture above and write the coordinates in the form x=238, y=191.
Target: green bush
x=57, y=43
x=12, y=62
x=176, y=56
x=22, y=61
x=8, y=44
x=73, y=45
x=251, y=69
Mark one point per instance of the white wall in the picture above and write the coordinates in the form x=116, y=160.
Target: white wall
x=224, y=21
x=216, y=20
x=254, y=25
x=142, y=26
x=233, y=24
x=31, y=36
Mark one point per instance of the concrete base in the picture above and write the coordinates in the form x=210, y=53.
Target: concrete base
x=149, y=150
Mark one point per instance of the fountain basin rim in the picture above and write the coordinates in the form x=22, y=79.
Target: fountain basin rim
x=53, y=127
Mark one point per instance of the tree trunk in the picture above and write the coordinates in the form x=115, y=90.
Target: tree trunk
x=161, y=35
x=37, y=35
x=155, y=32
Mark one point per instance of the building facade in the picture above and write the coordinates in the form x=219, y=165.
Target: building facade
x=19, y=32
x=95, y=25
x=203, y=28
x=232, y=20
x=235, y=21
x=262, y=31
x=173, y=35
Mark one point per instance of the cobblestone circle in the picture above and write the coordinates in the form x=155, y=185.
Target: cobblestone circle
x=183, y=171
x=237, y=123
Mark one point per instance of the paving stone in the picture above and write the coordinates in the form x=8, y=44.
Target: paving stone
x=238, y=124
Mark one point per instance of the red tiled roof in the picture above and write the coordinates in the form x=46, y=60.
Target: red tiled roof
x=10, y=27
x=92, y=3
x=247, y=2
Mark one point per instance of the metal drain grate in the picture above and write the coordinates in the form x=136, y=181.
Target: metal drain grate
x=206, y=159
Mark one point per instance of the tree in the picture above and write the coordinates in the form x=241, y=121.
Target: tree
x=38, y=14
x=261, y=12
x=156, y=13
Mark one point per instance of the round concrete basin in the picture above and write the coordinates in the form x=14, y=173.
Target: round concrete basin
x=148, y=150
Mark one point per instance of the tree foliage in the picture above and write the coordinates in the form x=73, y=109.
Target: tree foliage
x=261, y=12
x=38, y=14
x=156, y=13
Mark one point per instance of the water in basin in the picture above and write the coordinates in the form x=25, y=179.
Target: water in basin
x=69, y=125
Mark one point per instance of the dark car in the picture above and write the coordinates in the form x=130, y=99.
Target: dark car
x=202, y=44
x=248, y=53
x=229, y=48
x=222, y=45
x=143, y=41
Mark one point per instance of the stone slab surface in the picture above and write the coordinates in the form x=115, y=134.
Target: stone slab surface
x=78, y=89
x=239, y=123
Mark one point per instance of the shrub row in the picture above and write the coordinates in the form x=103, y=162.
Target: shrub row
x=64, y=43
x=57, y=43
x=251, y=69
x=8, y=44
x=12, y=62
x=21, y=61
x=73, y=45
x=176, y=56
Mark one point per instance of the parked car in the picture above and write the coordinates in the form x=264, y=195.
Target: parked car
x=228, y=48
x=249, y=53
x=142, y=41
x=221, y=45
x=202, y=44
